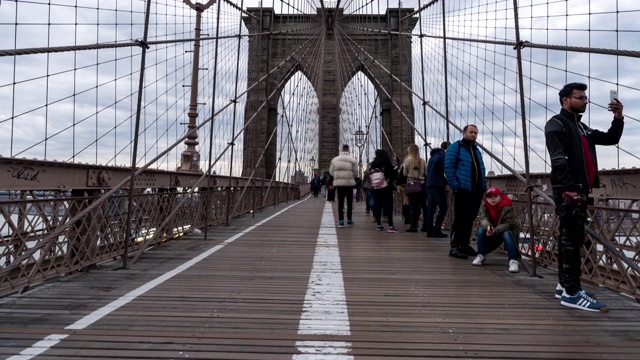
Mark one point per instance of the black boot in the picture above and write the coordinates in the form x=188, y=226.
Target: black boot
x=406, y=213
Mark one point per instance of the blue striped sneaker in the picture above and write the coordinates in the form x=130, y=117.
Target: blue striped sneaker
x=582, y=301
x=350, y=223
x=560, y=290
x=341, y=223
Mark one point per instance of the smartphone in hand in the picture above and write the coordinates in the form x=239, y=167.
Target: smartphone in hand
x=613, y=94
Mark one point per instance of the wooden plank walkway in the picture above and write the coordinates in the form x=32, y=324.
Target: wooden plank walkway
x=245, y=296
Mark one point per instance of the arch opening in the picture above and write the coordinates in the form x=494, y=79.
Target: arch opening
x=360, y=120
x=297, y=130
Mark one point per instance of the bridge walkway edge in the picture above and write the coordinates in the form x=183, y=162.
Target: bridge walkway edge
x=405, y=298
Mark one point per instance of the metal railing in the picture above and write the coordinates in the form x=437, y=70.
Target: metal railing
x=611, y=253
x=37, y=243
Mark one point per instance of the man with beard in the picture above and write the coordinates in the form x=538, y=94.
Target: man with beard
x=465, y=173
x=571, y=145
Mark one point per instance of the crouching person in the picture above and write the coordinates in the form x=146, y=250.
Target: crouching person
x=498, y=226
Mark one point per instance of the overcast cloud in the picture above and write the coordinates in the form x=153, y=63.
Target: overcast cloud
x=88, y=115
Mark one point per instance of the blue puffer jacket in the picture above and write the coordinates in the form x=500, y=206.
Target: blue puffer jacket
x=458, y=165
x=435, y=169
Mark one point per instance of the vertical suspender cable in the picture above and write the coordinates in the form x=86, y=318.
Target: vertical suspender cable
x=235, y=94
x=424, y=95
x=525, y=139
x=143, y=57
x=446, y=71
x=213, y=111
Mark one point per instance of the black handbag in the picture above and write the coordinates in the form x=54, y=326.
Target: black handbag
x=412, y=187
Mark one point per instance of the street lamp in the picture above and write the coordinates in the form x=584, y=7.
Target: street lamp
x=190, y=158
x=312, y=162
x=360, y=137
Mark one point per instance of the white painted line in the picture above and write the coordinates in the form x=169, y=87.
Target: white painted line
x=51, y=340
x=39, y=347
x=323, y=350
x=325, y=304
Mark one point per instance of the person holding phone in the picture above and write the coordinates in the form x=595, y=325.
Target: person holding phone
x=574, y=165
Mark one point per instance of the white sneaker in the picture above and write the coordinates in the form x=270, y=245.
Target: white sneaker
x=513, y=266
x=478, y=260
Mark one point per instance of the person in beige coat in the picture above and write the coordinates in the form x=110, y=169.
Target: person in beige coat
x=344, y=169
x=414, y=169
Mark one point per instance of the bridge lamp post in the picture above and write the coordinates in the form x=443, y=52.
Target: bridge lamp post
x=360, y=138
x=190, y=160
x=312, y=162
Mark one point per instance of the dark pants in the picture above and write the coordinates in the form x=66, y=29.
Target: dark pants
x=436, y=198
x=383, y=200
x=331, y=194
x=345, y=192
x=368, y=200
x=466, y=207
x=569, y=246
x=418, y=206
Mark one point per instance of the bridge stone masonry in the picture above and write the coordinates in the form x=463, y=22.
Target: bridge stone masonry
x=318, y=54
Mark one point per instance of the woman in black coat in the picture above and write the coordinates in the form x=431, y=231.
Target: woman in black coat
x=383, y=195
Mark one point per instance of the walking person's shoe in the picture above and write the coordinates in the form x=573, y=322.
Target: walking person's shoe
x=350, y=223
x=380, y=228
x=424, y=230
x=513, y=266
x=479, y=260
x=341, y=223
x=392, y=229
x=583, y=301
x=467, y=249
x=457, y=252
x=437, y=235
x=411, y=229
x=560, y=290
x=406, y=214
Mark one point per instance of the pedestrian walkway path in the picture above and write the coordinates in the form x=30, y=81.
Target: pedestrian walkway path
x=288, y=284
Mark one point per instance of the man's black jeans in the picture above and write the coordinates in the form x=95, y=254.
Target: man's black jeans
x=466, y=207
x=436, y=198
x=345, y=192
x=569, y=247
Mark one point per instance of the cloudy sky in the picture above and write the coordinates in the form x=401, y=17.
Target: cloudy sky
x=80, y=106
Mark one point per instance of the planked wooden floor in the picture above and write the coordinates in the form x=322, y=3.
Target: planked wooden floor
x=405, y=298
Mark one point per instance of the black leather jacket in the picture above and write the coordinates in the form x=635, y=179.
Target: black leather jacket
x=562, y=133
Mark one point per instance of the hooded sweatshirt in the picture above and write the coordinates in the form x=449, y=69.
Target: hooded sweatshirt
x=501, y=216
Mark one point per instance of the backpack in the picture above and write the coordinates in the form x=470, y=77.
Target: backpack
x=378, y=181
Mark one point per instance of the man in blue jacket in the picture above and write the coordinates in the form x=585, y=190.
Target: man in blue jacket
x=465, y=172
x=436, y=192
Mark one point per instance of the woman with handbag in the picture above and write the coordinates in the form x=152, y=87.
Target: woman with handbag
x=414, y=168
x=382, y=174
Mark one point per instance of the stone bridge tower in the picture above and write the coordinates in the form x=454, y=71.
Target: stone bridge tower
x=324, y=31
